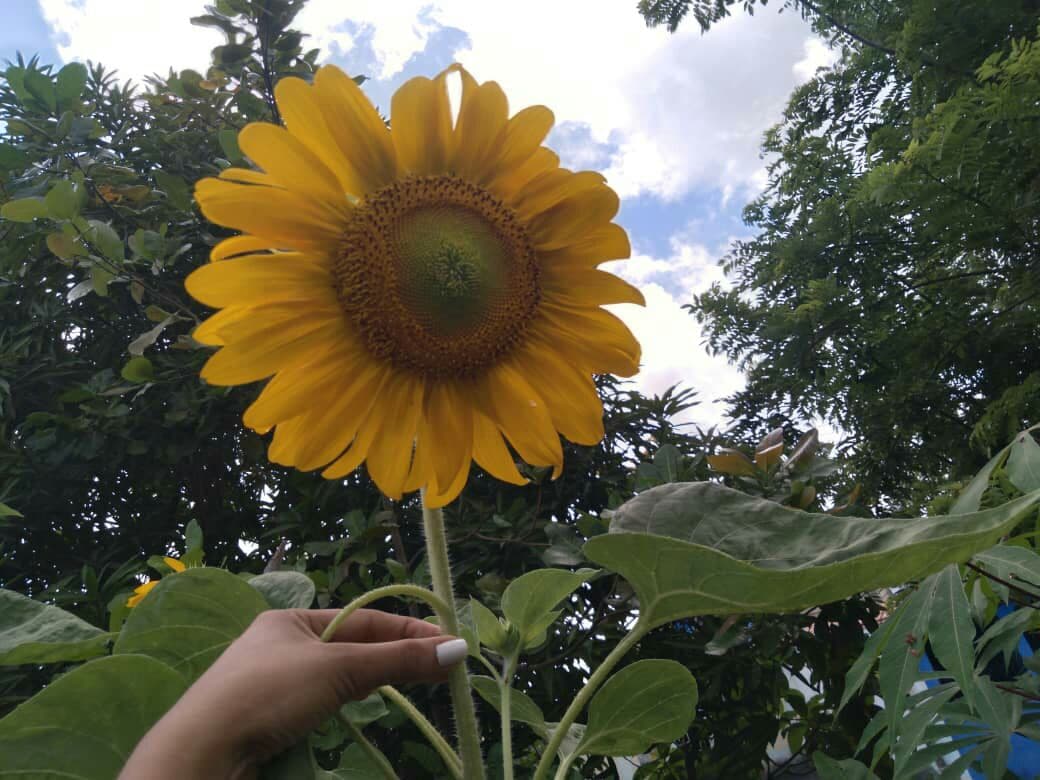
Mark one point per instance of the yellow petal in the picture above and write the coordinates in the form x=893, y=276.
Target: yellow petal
x=323, y=433
x=520, y=413
x=274, y=348
x=389, y=457
x=249, y=176
x=491, y=453
x=483, y=112
x=290, y=393
x=448, y=429
x=356, y=126
x=587, y=288
x=288, y=161
x=140, y=592
x=238, y=245
x=509, y=184
x=287, y=218
x=301, y=111
x=523, y=137
x=569, y=221
x=553, y=187
x=420, y=121
x=173, y=563
x=568, y=392
x=259, y=278
x=214, y=330
x=593, y=338
x=609, y=242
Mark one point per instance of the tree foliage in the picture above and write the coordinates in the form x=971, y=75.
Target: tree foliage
x=892, y=285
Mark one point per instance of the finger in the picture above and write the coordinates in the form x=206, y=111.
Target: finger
x=370, y=665
x=370, y=625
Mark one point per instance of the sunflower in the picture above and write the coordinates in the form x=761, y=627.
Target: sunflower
x=143, y=590
x=418, y=295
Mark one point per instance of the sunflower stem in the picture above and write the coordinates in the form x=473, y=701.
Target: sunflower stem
x=440, y=607
x=448, y=756
x=375, y=754
x=458, y=681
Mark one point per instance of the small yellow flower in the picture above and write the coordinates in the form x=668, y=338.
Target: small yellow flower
x=421, y=295
x=143, y=590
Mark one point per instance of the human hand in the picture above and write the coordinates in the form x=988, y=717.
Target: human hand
x=278, y=681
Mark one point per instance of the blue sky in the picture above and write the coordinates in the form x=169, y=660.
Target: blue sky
x=673, y=121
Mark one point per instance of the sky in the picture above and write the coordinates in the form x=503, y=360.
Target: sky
x=674, y=121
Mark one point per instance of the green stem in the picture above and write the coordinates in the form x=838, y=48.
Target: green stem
x=506, y=684
x=440, y=607
x=458, y=680
x=565, y=766
x=371, y=750
x=590, y=687
x=450, y=758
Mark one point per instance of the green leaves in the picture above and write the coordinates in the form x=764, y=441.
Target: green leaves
x=176, y=189
x=528, y=601
x=285, y=589
x=139, y=370
x=699, y=548
x=189, y=618
x=490, y=630
x=648, y=702
x=522, y=707
x=24, y=209
x=85, y=723
x=65, y=199
x=32, y=632
x=72, y=79
x=951, y=630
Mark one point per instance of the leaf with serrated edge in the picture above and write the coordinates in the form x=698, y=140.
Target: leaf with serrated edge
x=529, y=597
x=285, y=589
x=700, y=548
x=901, y=659
x=521, y=707
x=645, y=703
x=951, y=631
x=84, y=724
x=32, y=632
x=188, y=619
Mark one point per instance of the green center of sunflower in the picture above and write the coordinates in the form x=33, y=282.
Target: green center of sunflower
x=438, y=275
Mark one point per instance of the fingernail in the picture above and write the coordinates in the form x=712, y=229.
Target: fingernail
x=450, y=653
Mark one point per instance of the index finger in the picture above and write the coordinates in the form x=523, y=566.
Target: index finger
x=370, y=625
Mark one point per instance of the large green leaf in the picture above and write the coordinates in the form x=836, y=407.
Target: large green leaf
x=951, y=631
x=521, y=706
x=354, y=764
x=648, y=702
x=700, y=548
x=1023, y=463
x=285, y=589
x=848, y=769
x=529, y=599
x=85, y=724
x=1012, y=563
x=189, y=618
x=32, y=632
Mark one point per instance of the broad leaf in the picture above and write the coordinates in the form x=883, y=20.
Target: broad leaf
x=970, y=498
x=354, y=764
x=847, y=769
x=900, y=661
x=951, y=631
x=645, y=703
x=365, y=711
x=86, y=723
x=521, y=707
x=1023, y=463
x=285, y=589
x=32, y=632
x=531, y=596
x=72, y=79
x=489, y=629
x=189, y=618
x=24, y=209
x=700, y=548
x=1018, y=565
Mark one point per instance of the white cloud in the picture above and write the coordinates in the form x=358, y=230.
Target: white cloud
x=672, y=339
x=675, y=111
x=136, y=38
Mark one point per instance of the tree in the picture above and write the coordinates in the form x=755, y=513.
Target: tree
x=892, y=285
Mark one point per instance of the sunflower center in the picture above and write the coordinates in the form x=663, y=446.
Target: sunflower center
x=438, y=275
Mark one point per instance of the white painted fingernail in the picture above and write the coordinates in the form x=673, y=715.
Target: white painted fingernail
x=450, y=653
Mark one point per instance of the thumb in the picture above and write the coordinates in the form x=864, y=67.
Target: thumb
x=367, y=666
